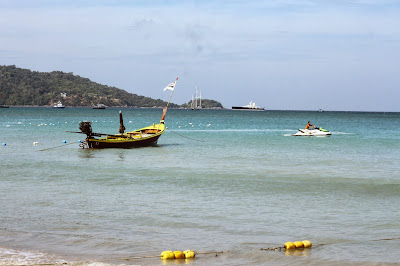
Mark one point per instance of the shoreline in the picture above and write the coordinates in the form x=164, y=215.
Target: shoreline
x=110, y=107
x=216, y=108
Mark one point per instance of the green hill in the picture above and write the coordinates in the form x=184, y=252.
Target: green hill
x=25, y=87
x=32, y=88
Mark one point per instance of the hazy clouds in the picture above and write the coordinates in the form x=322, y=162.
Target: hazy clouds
x=280, y=54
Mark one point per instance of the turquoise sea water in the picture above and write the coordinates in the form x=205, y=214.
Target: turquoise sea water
x=219, y=180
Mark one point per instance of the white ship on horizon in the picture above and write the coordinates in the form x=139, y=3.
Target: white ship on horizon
x=251, y=107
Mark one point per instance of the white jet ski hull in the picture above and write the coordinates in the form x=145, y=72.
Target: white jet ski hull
x=313, y=132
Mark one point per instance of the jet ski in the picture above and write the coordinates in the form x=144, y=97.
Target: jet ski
x=317, y=131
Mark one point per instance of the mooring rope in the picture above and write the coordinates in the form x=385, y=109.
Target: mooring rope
x=385, y=239
x=138, y=258
x=157, y=256
x=59, y=146
x=324, y=244
x=185, y=136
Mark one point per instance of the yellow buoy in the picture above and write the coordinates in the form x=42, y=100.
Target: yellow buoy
x=189, y=254
x=167, y=255
x=290, y=245
x=307, y=244
x=179, y=254
x=298, y=244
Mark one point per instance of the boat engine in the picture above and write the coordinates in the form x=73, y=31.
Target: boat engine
x=86, y=128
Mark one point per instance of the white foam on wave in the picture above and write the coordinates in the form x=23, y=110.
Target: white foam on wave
x=231, y=130
x=343, y=133
x=16, y=257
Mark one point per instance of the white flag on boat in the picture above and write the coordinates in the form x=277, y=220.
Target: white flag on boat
x=171, y=86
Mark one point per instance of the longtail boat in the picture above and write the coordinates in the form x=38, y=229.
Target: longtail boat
x=138, y=138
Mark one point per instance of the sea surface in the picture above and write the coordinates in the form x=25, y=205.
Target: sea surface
x=228, y=184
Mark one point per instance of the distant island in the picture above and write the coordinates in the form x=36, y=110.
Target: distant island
x=206, y=104
x=23, y=87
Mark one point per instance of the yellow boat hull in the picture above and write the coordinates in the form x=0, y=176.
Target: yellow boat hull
x=139, y=138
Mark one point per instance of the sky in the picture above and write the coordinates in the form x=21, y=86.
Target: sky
x=341, y=55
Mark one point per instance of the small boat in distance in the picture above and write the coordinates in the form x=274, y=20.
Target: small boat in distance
x=3, y=106
x=196, y=101
x=99, y=106
x=58, y=105
x=250, y=107
x=146, y=136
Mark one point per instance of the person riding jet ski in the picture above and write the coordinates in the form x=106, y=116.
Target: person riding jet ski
x=309, y=125
x=312, y=130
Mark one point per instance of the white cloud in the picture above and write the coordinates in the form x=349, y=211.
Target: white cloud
x=289, y=38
